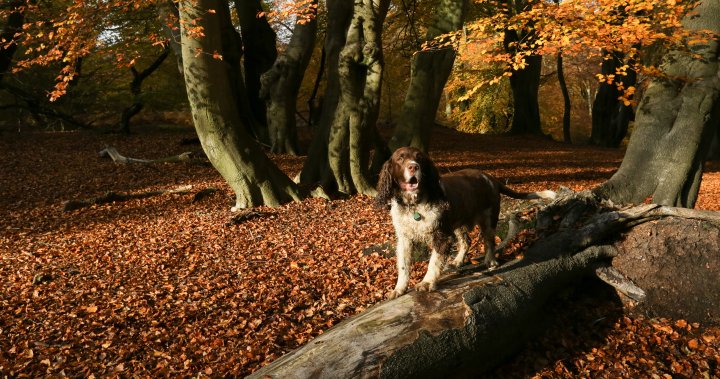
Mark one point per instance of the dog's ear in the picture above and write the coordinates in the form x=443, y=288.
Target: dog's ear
x=431, y=178
x=384, y=186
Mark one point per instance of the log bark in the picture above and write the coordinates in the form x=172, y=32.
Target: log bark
x=477, y=319
x=112, y=197
x=467, y=327
x=119, y=158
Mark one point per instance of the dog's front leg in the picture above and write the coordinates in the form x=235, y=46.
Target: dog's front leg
x=429, y=282
x=403, y=256
x=440, y=246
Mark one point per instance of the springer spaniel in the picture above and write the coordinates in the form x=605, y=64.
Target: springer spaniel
x=431, y=209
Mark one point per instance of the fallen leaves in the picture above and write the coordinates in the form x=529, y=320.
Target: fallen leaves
x=169, y=285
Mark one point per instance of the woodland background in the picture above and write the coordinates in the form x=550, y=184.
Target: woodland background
x=174, y=284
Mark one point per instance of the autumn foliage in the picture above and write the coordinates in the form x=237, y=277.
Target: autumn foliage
x=171, y=285
x=588, y=29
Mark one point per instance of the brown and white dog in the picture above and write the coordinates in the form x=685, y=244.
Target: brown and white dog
x=430, y=209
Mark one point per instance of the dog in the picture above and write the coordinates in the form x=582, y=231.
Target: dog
x=430, y=209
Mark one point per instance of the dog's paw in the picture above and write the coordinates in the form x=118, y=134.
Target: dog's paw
x=393, y=294
x=454, y=265
x=425, y=286
x=491, y=263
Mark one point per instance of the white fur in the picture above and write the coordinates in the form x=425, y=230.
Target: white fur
x=547, y=194
x=408, y=230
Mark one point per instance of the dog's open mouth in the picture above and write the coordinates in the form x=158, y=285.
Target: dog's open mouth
x=411, y=185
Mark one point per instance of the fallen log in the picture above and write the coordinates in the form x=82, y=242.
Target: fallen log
x=111, y=197
x=477, y=319
x=119, y=158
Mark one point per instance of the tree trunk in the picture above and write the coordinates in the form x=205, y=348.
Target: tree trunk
x=316, y=169
x=259, y=52
x=252, y=176
x=476, y=320
x=13, y=25
x=170, y=20
x=674, y=125
x=232, y=52
x=281, y=84
x=429, y=72
x=610, y=115
x=314, y=104
x=360, y=71
x=136, y=90
x=566, y=99
x=525, y=84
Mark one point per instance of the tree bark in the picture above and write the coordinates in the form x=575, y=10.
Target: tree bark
x=232, y=53
x=360, y=70
x=674, y=125
x=170, y=20
x=477, y=319
x=259, y=52
x=566, y=99
x=281, y=84
x=429, y=71
x=136, y=90
x=525, y=84
x=253, y=177
x=610, y=115
x=316, y=169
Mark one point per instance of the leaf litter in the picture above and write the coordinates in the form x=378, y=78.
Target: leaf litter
x=171, y=285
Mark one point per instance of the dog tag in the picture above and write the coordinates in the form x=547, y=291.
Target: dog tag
x=416, y=216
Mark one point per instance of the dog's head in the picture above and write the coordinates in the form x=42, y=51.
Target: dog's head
x=410, y=176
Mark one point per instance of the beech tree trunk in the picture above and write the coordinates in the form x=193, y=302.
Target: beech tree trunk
x=674, y=124
x=566, y=99
x=259, y=52
x=525, y=84
x=281, y=84
x=360, y=69
x=429, y=71
x=316, y=169
x=169, y=18
x=136, y=90
x=477, y=319
x=610, y=115
x=250, y=173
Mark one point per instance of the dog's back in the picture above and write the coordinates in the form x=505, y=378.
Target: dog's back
x=471, y=194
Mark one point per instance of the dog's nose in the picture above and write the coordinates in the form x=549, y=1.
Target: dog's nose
x=412, y=167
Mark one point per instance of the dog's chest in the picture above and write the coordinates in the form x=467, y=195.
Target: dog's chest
x=415, y=222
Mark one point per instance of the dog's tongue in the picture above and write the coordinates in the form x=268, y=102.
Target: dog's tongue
x=410, y=186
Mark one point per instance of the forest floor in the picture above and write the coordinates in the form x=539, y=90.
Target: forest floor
x=169, y=285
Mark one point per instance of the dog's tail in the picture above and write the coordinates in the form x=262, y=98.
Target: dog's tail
x=507, y=191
